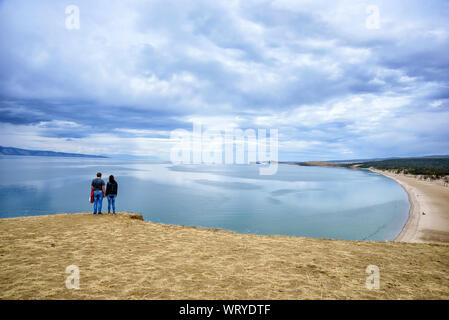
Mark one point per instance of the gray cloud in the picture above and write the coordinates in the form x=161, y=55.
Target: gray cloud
x=311, y=69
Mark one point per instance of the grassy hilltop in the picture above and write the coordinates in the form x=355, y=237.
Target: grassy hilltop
x=122, y=258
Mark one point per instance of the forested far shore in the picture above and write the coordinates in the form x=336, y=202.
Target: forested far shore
x=432, y=168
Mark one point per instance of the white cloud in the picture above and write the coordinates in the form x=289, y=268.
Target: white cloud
x=310, y=68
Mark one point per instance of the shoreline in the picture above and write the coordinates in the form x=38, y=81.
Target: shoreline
x=433, y=226
x=428, y=217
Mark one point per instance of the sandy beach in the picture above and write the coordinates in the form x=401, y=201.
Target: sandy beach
x=123, y=258
x=429, y=212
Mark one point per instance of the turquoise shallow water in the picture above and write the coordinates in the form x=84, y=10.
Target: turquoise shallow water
x=300, y=201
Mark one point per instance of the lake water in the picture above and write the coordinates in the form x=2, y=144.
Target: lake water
x=300, y=201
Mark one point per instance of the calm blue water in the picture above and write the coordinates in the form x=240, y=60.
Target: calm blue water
x=300, y=201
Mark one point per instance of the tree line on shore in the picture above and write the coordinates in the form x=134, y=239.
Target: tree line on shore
x=429, y=167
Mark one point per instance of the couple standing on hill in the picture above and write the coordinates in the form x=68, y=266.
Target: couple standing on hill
x=98, y=192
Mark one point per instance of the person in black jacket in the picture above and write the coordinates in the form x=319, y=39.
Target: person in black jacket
x=111, y=193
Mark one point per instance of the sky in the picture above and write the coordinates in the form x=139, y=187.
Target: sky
x=337, y=79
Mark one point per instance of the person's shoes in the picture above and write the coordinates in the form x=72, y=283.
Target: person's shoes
x=100, y=213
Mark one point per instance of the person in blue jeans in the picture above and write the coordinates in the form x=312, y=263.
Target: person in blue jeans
x=98, y=187
x=111, y=193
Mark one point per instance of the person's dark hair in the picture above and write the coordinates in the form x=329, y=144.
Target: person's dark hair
x=111, y=179
x=99, y=174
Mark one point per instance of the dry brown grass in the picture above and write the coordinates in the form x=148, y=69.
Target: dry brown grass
x=122, y=258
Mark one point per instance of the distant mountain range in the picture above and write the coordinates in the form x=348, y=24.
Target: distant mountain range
x=10, y=151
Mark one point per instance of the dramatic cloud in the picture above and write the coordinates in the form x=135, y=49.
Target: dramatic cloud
x=338, y=79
